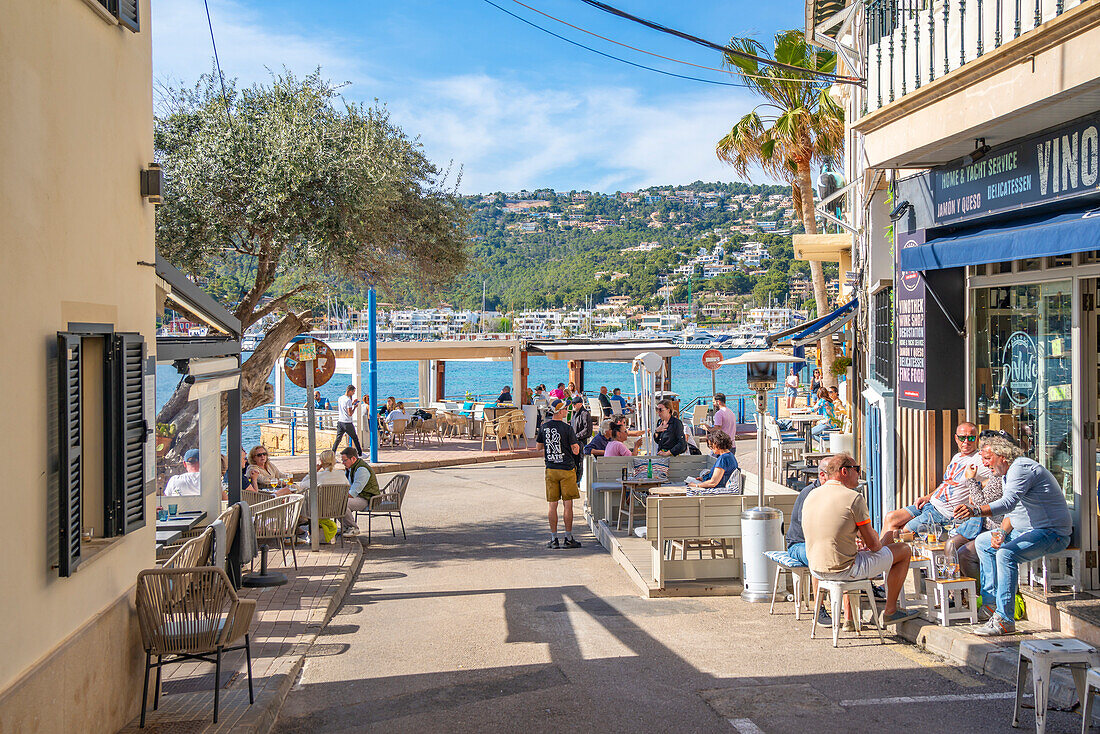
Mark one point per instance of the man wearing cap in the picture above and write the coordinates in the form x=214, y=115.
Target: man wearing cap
x=188, y=482
x=560, y=448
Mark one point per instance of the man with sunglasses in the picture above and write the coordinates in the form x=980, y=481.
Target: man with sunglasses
x=939, y=506
x=833, y=516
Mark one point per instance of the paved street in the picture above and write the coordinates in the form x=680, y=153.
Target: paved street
x=471, y=625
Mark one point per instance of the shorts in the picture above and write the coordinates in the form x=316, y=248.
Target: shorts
x=561, y=484
x=867, y=565
x=925, y=515
x=792, y=392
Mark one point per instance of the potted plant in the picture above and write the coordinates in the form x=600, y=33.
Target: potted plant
x=165, y=433
x=841, y=365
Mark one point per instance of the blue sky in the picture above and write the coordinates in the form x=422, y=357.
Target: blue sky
x=512, y=106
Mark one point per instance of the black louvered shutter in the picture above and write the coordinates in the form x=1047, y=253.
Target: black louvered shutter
x=127, y=13
x=126, y=434
x=68, y=442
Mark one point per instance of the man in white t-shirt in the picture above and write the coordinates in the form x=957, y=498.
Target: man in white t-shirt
x=939, y=505
x=345, y=421
x=186, y=484
x=724, y=419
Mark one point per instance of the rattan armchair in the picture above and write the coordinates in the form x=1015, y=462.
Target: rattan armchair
x=191, y=614
x=332, y=503
x=195, y=552
x=517, y=428
x=495, y=429
x=277, y=519
x=388, y=504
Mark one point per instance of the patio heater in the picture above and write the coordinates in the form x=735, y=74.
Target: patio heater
x=761, y=527
x=646, y=367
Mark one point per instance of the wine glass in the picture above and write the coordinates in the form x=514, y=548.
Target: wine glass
x=941, y=566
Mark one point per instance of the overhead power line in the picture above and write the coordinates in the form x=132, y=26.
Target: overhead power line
x=716, y=47
x=659, y=56
x=218, y=64
x=611, y=56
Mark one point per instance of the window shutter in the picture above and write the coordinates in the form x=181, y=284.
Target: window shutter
x=69, y=462
x=127, y=434
x=127, y=13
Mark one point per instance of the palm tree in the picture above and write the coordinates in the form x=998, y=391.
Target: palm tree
x=798, y=126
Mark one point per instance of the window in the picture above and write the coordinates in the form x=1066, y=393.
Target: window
x=123, y=11
x=884, y=336
x=101, y=439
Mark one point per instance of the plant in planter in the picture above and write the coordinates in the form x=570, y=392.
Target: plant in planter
x=841, y=365
x=165, y=434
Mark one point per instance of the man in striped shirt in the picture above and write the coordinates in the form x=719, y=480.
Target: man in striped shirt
x=939, y=505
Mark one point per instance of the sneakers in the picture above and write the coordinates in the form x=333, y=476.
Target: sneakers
x=553, y=544
x=880, y=592
x=350, y=532
x=985, y=613
x=996, y=626
x=849, y=625
x=570, y=543
x=824, y=618
x=897, y=616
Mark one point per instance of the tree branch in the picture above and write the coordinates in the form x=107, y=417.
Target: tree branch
x=279, y=303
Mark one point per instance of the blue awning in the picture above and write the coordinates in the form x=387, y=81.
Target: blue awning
x=818, y=329
x=1038, y=236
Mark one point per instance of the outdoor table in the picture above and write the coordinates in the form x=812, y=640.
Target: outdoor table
x=816, y=456
x=183, y=521
x=630, y=486
x=669, y=490
x=164, y=537
x=804, y=422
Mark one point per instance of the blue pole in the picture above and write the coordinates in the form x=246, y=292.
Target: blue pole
x=372, y=373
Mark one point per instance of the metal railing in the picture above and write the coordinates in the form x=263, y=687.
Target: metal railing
x=913, y=42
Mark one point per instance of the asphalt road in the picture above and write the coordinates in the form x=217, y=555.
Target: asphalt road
x=472, y=625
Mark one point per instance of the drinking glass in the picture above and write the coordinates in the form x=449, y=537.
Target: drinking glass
x=162, y=514
x=941, y=566
x=172, y=510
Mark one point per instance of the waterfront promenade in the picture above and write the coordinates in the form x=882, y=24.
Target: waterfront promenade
x=472, y=625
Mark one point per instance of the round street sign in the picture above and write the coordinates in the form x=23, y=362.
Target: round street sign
x=711, y=358
x=296, y=361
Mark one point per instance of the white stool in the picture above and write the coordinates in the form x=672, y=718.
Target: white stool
x=940, y=593
x=1059, y=569
x=836, y=591
x=1092, y=683
x=800, y=580
x=1043, y=655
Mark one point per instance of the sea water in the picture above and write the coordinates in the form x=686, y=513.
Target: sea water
x=690, y=379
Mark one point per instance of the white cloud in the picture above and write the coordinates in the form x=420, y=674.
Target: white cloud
x=508, y=136
x=247, y=48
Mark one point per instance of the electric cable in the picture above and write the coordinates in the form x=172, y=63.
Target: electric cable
x=612, y=57
x=659, y=56
x=716, y=47
x=218, y=64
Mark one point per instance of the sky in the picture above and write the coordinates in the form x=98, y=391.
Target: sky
x=508, y=105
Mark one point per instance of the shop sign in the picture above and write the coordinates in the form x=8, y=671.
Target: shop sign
x=910, y=324
x=1020, y=369
x=1059, y=164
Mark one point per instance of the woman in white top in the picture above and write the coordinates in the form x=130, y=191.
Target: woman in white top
x=326, y=474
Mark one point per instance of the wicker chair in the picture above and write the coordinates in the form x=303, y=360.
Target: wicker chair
x=496, y=429
x=397, y=431
x=277, y=519
x=425, y=429
x=195, y=552
x=517, y=428
x=388, y=504
x=191, y=614
x=252, y=497
x=332, y=503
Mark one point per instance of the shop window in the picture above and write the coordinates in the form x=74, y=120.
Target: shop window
x=1031, y=264
x=1060, y=261
x=101, y=438
x=1000, y=268
x=1091, y=256
x=1022, y=380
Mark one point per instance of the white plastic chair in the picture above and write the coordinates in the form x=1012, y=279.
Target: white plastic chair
x=836, y=591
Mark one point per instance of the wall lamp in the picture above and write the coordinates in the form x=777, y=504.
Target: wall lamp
x=151, y=179
x=899, y=210
x=980, y=149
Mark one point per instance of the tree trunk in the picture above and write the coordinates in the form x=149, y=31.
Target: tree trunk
x=255, y=389
x=817, y=273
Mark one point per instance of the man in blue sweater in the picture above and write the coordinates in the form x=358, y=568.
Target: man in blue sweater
x=1036, y=522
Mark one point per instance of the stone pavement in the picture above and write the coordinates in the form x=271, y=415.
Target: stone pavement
x=472, y=625
x=288, y=620
x=452, y=452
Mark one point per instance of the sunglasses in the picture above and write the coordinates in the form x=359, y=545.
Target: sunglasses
x=261, y=456
x=853, y=467
x=966, y=438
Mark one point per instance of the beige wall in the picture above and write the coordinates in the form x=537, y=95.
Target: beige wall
x=76, y=122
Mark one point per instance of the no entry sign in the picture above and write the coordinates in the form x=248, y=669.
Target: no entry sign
x=711, y=358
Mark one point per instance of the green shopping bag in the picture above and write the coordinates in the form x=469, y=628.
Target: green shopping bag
x=328, y=528
x=1021, y=608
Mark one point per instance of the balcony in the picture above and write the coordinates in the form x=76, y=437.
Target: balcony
x=913, y=43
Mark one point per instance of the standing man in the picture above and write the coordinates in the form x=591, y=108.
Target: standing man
x=724, y=419
x=560, y=447
x=940, y=504
x=833, y=516
x=363, y=486
x=1037, y=522
x=582, y=427
x=605, y=402
x=345, y=421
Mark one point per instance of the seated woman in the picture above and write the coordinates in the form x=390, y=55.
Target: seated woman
x=826, y=409
x=669, y=433
x=261, y=471
x=725, y=463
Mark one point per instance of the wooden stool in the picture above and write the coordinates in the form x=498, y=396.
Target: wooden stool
x=1043, y=655
x=836, y=591
x=940, y=593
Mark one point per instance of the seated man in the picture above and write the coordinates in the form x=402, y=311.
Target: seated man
x=505, y=395
x=605, y=401
x=363, y=485
x=833, y=516
x=598, y=444
x=616, y=397
x=953, y=491
x=1037, y=522
x=188, y=482
x=796, y=541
